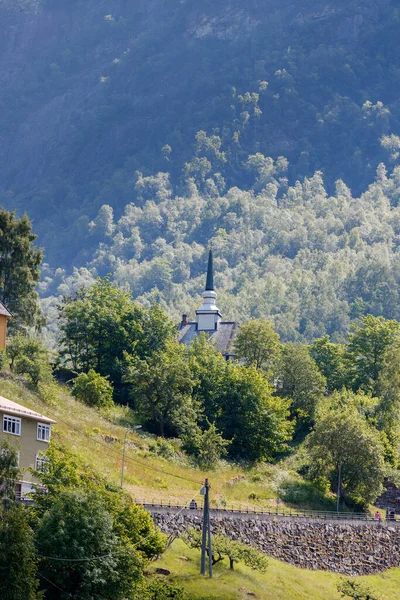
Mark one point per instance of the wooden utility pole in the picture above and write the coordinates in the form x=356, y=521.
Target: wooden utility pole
x=206, y=533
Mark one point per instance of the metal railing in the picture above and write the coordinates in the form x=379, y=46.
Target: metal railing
x=273, y=512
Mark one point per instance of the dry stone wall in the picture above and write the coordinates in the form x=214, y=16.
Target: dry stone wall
x=350, y=548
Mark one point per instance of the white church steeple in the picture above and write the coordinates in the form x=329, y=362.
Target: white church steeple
x=208, y=315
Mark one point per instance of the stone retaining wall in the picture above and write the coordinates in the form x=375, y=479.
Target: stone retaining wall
x=347, y=548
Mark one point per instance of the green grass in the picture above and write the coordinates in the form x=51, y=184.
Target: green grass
x=280, y=582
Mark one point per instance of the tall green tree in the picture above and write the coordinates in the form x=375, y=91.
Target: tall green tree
x=20, y=262
x=18, y=562
x=367, y=344
x=78, y=526
x=130, y=522
x=250, y=415
x=345, y=448
x=207, y=367
x=161, y=388
x=258, y=344
x=28, y=356
x=331, y=360
x=299, y=379
x=388, y=409
x=102, y=323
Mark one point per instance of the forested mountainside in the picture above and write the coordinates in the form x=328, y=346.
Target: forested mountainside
x=165, y=113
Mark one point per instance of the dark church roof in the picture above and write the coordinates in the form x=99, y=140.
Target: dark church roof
x=4, y=311
x=222, y=339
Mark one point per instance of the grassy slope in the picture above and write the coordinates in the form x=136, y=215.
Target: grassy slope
x=280, y=582
x=98, y=441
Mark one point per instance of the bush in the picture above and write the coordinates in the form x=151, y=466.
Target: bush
x=207, y=447
x=29, y=357
x=298, y=492
x=160, y=589
x=351, y=589
x=93, y=389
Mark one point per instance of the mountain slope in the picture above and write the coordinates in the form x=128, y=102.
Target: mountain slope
x=92, y=91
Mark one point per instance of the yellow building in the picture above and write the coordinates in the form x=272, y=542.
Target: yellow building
x=4, y=316
x=29, y=432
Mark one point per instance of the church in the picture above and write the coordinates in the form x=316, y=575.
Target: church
x=221, y=333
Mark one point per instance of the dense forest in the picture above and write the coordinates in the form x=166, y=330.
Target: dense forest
x=134, y=134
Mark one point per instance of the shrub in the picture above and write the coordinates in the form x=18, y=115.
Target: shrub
x=160, y=589
x=29, y=357
x=351, y=589
x=93, y=389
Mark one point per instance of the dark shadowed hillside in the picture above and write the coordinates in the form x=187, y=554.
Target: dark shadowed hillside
x=91, y=91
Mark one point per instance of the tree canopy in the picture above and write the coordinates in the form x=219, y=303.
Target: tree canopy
x=257, y=344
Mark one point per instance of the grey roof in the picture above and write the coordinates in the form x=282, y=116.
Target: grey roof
x=4, y=311
x=222, y=338
x=12, y=408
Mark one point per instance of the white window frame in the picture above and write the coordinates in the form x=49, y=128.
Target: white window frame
x=15, y=422
x=43, y=428
x=40, y=463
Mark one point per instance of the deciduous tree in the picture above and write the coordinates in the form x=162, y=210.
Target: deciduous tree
x=250, y=415
x=18, y=562
x=258, y=344
x=330, y=359
x=299, y=379
x=8, y=470
x=161, y=389
x=367, y=344
x=102, y=323
x=78, y=526
x=344, y=445
x=223, y=547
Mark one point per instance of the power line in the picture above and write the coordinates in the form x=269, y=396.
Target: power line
x=76, y=559
x=128, y=459
x=58, y=587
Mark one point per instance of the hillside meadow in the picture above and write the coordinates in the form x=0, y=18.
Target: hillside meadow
x=97, y=440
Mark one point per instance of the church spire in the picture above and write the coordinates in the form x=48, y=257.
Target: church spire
x=208, y=316
x=210, y=273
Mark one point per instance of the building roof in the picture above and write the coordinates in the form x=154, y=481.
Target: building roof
x=222, y=338
x=4, y=311
x=12, y=408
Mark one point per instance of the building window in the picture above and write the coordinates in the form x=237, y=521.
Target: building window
x=41, y=463
x=11, y=425
x=43, y=432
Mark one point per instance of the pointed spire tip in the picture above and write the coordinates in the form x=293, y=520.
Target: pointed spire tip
x=210, y=273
